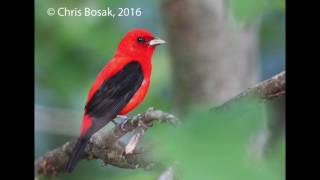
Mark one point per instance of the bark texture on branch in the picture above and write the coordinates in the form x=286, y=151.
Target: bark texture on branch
x=270, y=88
x=106, y=146
x=267, y=90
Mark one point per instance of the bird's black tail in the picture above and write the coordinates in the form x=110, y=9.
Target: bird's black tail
x=77, y=152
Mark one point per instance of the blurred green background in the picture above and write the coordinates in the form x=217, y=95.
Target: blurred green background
x=70, y=51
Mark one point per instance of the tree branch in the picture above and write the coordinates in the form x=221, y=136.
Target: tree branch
x=106, y=146
x=109, y=149
x=266, y=90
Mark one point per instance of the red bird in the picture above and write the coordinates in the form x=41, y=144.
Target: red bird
x=119, y=87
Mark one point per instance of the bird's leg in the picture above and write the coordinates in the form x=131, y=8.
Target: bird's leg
x=114, y=122
x=124, y=119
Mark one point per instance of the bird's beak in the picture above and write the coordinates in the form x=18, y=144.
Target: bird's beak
x=156, y=41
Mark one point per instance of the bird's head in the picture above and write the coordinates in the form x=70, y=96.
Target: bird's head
x=139, y=43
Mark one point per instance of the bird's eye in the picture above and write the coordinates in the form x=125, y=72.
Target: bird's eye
x=140, y=40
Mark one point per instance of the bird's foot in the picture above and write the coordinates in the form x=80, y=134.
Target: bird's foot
x=123, y=117
x=124, y=120
x=114, y=122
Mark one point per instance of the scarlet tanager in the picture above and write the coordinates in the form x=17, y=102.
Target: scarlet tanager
x=119, y=87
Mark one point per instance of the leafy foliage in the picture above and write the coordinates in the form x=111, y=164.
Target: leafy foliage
x=215, y=145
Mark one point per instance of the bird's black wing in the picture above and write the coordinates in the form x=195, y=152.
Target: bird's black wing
x=106, y=103
x=114, y=94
